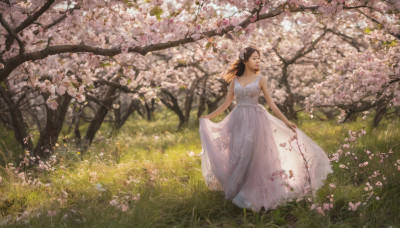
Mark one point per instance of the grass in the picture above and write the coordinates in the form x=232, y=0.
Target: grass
x=147, y=176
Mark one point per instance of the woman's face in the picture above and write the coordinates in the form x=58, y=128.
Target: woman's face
x=254, y=62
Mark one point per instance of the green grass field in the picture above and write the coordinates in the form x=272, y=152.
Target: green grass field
x=148, y=175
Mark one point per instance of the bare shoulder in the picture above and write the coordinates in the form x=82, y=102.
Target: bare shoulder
x=231, y=84
x=263, y=81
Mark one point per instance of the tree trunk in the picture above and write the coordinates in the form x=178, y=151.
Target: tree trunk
x=77, y=132
x=150, y=109
x=202, y=100
x=125, y=116
x=174, y=106
x=54, y=122
x=99, y=117
x=288, y=104
x=380, y=112
x=20, y=129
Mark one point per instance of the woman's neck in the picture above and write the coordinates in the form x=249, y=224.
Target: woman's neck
x=248, y=73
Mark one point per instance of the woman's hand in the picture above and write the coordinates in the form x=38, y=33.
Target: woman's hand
x=291, y=125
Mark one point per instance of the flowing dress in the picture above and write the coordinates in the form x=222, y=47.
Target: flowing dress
x=255, y=158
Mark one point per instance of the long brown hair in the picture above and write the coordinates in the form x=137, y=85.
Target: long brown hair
x=238, y=67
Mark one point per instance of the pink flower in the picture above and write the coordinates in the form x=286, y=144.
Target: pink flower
x=157, y=2
x=378, y=183
x=124, y=208
x=332, y=185
x=80, y=98
x=353, y=206
x=196, y=36
x=319, y=210
x=61, y=90
x=51, y=213
x=114, y=202
x=53, y=104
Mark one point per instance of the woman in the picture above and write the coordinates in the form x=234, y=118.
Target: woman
x=257, y=159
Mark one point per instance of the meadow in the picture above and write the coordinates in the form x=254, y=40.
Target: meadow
x=149, y=175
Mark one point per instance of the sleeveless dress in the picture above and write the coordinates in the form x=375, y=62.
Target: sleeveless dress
x=255, y=158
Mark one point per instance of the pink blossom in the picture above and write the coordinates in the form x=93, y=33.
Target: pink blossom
x=53, y=104
x=353, y=206
x=61, y=90
x=326, y=206
x=51, y=213
x=196, y=36
x=124, y=208
x=80, y=98
x=157, y=2
x=320, y=211
x=332, y=185
x=114, y=202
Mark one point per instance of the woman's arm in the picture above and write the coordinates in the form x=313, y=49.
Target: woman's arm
x=228, y=100
x=272, y=104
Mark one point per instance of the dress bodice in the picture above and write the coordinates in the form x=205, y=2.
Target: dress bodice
x=247, y=95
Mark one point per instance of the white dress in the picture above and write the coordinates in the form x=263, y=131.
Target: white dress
x=255, y=158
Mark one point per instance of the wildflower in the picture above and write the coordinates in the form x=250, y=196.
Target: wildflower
x=114, y=202
x=191, y=153
x=99, y=187
x=353, y=206
x=378, y=183
x=137, y=197
x=332, y=185
x=319, y=210
x=124, y=208
x=377, y=198
x=51, y=213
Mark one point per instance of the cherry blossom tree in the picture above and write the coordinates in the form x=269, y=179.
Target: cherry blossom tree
x=59, y=48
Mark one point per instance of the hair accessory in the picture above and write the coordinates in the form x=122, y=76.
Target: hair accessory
x=242, y=53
